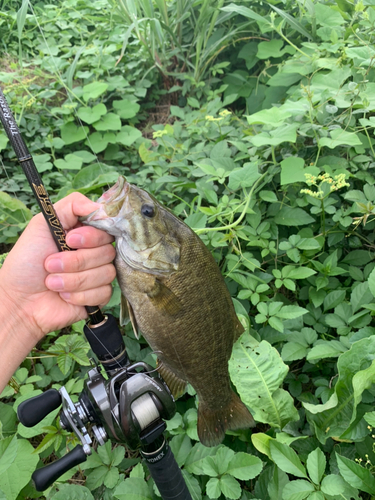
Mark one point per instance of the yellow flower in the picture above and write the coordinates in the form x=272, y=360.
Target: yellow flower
x=159, y=133
x=225, y=112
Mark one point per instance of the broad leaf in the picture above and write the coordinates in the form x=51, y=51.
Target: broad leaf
x=356, y=475
x=257, y=372
x=287, y=459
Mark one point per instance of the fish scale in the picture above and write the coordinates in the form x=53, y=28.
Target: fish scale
x=175, y=295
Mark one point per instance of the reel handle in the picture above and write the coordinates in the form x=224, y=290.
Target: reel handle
x=44, y=477
x=33, y=410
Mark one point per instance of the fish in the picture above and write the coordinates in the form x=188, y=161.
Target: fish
x=174, y=294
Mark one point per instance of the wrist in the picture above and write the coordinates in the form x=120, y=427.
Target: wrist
x=14, y=316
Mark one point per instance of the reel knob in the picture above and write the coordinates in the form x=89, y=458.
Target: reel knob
x=33, y=410
x=44, y=477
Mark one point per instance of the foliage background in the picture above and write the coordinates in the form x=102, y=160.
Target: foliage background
x=254, y=122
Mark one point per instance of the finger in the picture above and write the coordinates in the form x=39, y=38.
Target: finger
x=73, y=206
x=87, y=237
x=81, y=281
x=82, y=260
x=97, y=296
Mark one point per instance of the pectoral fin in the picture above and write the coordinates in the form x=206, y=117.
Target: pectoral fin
x=164, y=299
x=176, y=385
x=126, y=314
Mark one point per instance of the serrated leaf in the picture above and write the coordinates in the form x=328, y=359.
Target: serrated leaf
x=244, y=466
x=230, y=487
x=18, y=474
x=360, y=295
x=333, y=485
x=316, y=465
x=292, y=351
x=333, y=299
x=356, y=475
x=213, y=489
x=287, y=459
x=297, y=490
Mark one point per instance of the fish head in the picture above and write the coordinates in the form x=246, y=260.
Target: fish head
x=139, y=223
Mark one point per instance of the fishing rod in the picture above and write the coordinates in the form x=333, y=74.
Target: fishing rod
x=128, y=405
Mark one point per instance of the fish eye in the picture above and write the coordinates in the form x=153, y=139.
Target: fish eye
x=147, y=210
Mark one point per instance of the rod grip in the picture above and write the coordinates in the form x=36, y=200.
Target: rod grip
x=44, y=477
x=167, y=474
x=33, y=410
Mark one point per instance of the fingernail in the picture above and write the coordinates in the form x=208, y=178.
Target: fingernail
x=55, y=283
x=75, y=240
x=55, y=266
x=65, y=295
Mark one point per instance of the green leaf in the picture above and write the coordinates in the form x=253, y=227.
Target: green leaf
x=333, y=299
x=288, y=216
x=291, y=312
x=287, y=459
x=110, y=121
x=72, y=492
x=111, y=478
x=3, y=141
x=70, y=162
x=261, y=442
x=355, y=475
x=9, y=454
x=70, y=133
x=181, y=447
x=292, y=22
x=356, y=369
x=297, y=490
x=257, y=371
x=326, y=349
x=244, y=177
x=297, y=273
x=18, y=474
x=94, y=90
x=133, y=488
x=213, y=489
x=98, y=142
x=128, y=135
x=274, y=116
x=244, y=11
x=244, y=466
x=272, y=48
x=292, y=351
x=285, y=133
x=371, y=282
x=194, y=460
x=358, y=258
x=126, y=109
x=230, y=487
x=333, y=485
x=361, y=295
x=92, y=115
x=316, y=465
x=339, y=137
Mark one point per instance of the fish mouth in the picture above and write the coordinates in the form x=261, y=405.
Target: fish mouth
x=111, y=203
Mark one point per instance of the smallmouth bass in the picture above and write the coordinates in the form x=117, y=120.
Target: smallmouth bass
x=176, y=296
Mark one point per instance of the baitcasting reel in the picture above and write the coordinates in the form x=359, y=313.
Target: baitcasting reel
x=127, y=408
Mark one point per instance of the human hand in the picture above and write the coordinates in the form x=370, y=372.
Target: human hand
x=45, y=289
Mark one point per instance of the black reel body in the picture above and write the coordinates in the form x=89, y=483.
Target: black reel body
x=127, y=408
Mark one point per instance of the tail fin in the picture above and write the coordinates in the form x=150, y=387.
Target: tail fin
x=212, y=424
